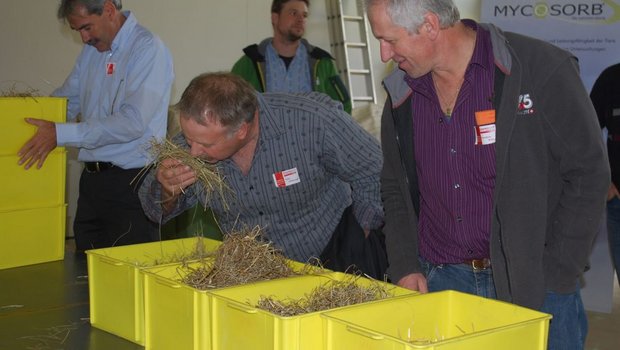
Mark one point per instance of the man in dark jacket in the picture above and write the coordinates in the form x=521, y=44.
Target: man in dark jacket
x=288, y=63
x=605, y=96
x=495, y=174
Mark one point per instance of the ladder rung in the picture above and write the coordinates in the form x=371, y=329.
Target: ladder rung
x=359, y=71
x=362, y=98
x=349, y=44
x=352, y=18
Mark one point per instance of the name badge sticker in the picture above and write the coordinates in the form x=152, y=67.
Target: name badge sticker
x=485, y=134
x=109, y=68
x=286, y=178
x=485, y=117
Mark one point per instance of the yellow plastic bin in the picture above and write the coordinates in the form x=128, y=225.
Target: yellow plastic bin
x=116, y=282
x=14, y=131
x=32, y=236
x=446, y=320
x=238, y=324
x=33, y=188
x=178, y=316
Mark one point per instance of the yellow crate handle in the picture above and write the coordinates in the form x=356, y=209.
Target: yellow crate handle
x=364, y=333
x=241, y=307
x=110, y=261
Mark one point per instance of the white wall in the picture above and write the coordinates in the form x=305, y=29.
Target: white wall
x=38, y=51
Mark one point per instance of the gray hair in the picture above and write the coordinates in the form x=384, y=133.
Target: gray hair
x=222, y=97
x=409, y=14
x=93, y=7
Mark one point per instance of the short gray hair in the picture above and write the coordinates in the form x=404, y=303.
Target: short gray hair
x=409, y=14
x=222, y=97
x=93, y=7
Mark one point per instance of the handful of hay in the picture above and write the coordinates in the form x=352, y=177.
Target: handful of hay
x=242, y=258
x=208, y=174
x=330, y=295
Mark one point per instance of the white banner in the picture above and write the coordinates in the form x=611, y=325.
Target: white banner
x=589, y=29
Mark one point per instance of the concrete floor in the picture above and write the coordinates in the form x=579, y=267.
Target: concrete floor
x=604, y=332
x=45, y=307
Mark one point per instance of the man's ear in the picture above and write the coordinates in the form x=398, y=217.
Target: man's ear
x=431, y=26
x=274, y=19
x=109, y=10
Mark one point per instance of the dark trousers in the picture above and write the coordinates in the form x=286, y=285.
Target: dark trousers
x=350, y=251
x=109, y=212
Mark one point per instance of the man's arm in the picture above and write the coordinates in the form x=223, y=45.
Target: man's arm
x=574, y=139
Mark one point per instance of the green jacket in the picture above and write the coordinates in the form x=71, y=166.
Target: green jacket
x=325, y=78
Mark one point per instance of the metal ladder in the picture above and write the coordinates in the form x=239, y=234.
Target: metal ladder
x=348, y=30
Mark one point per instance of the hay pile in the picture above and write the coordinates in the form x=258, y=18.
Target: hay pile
x=242, y=258
x=330, y=295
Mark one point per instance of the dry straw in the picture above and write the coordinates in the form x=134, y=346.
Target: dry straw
x=330, y=295
x=243, y=257
x=14, y=92
x=208, y=174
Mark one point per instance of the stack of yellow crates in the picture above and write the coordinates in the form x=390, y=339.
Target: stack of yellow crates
x=32, y=202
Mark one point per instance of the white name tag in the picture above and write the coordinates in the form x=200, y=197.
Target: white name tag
x=485, y=134
x=286, y=177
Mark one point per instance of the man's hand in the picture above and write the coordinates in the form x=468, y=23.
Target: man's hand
x=174, y=177
x=40, y=145
x=414, y=281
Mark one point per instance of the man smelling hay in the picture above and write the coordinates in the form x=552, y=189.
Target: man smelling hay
x=208, y=174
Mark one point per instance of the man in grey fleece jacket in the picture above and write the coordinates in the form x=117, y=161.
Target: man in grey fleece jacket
x=495, y=174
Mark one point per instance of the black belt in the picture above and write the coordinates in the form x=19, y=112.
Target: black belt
x=479, y=264
x=97, y=167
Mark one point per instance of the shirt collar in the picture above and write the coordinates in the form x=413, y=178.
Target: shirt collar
x=481, y=57
x=268, y=125
x=125, y=32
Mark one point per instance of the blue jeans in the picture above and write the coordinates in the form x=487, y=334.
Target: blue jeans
x=459, y=277
x=568, y=328
x=613, y=232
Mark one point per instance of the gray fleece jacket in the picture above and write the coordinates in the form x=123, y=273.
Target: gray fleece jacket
x=551, y=165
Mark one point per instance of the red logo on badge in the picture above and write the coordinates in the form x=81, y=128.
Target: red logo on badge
x=109, y=68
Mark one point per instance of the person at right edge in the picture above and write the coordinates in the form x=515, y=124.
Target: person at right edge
x=605, y=96
x=495, y=173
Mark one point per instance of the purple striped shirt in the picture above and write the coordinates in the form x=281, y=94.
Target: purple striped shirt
x=456, y=176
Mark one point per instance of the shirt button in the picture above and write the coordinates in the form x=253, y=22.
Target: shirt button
x=457, y=186
x=459, y=218
x=452, y=150
x=251, y=188
x=260, y=213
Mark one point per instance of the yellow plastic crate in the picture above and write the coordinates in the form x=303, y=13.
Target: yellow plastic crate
x=32, y=236
x=238, y=324
x=33, y=188
x=14, y=131
x=446, y=320
x=116, y=282
x=178, y=316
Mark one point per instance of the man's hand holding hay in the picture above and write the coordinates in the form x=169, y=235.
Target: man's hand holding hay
x=174, y=177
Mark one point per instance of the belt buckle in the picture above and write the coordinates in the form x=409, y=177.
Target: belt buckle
x=480, y=264
x=97, y=169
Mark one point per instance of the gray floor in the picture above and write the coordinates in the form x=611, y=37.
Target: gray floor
x=45, y=307
x=604, y=333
